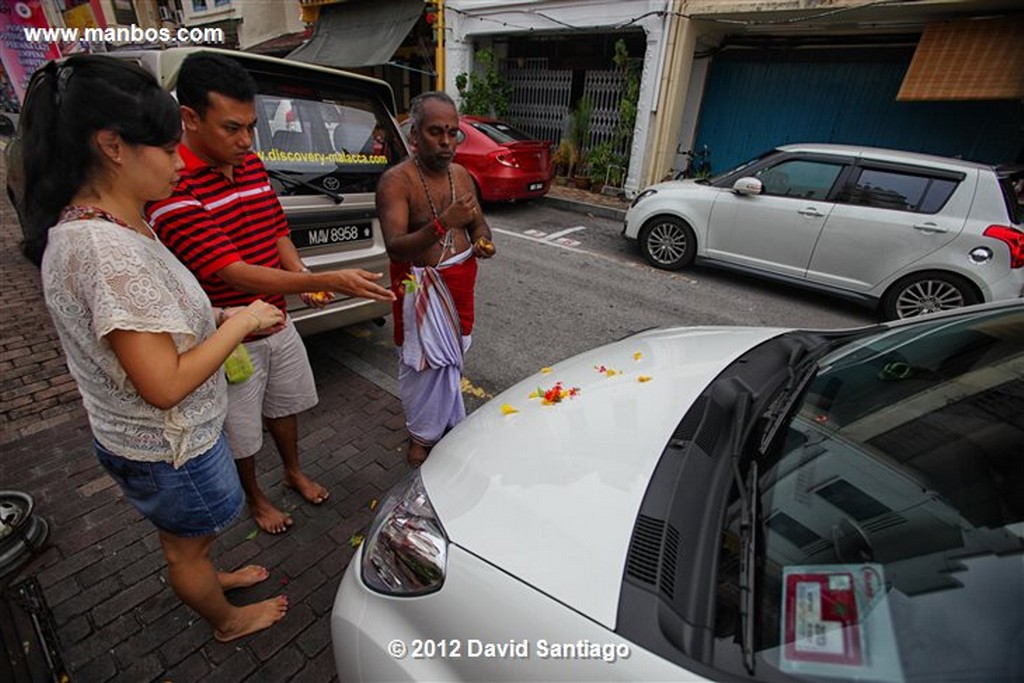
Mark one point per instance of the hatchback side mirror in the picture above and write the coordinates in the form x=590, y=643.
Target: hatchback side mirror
x=747, y=186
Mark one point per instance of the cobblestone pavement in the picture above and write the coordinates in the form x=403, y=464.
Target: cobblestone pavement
x=101, y=570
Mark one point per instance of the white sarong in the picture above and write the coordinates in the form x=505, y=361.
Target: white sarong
x=431, y=355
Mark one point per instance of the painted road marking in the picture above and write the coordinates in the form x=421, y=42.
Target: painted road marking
x=554, y=236
x=585, y=252
x=539, y=234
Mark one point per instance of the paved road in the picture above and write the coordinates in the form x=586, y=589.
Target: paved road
x=565, y=282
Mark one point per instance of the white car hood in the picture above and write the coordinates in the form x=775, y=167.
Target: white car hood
x=550, y=493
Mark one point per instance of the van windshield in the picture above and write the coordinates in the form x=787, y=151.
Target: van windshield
x=340, y=141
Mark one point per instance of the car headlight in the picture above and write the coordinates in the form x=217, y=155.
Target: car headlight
x=406, y=550
x=642, y=195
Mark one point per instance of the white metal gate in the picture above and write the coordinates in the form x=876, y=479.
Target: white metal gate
x=540, y=96
x=541, y=99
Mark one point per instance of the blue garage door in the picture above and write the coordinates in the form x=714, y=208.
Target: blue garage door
x=753, y=102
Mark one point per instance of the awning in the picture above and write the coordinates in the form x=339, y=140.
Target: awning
x=979, y=59
x=359, y=32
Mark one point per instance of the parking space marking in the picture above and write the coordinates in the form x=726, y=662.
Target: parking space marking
x=565, y=241
x=538, y=240
x=555, y=235
x=539, y=234
x=586, y=252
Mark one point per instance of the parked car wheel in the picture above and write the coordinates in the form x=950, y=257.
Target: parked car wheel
x=927, y=292
x=668, y=243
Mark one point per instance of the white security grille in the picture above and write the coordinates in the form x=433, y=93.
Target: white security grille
x=540, y=96
x=604, y=88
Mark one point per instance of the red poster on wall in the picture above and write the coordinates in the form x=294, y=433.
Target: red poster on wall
x=25, y=42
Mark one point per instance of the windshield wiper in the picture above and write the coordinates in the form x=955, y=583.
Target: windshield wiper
x=285, y=177
x=749, y=495
x=749, y=519
x=802, y=369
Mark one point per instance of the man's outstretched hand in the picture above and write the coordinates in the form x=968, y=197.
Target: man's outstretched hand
x=358, y=282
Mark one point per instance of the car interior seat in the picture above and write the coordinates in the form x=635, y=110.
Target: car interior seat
x=289, y=141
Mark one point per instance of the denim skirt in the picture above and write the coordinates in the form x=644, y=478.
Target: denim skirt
x=200, y=498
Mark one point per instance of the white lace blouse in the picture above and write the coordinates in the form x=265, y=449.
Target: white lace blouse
x=99, y=276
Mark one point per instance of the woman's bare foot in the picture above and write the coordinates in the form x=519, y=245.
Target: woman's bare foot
x=417, y=454
x=310, y=490
x=247, y=576
x=252, y=618
x=269, y=518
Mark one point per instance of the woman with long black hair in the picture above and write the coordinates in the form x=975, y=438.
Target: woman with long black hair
x=138, y=332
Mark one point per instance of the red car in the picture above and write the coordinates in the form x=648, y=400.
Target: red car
x=505, y=162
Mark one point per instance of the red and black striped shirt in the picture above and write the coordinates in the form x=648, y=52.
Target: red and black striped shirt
x=211, y=222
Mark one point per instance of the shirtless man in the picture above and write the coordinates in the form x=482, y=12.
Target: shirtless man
x=434, y=231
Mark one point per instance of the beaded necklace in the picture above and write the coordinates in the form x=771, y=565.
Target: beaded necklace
x=448, y=241
x=79, y=212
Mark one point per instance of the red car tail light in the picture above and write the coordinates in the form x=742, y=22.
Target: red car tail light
x=505, y=158
x=1013, y=238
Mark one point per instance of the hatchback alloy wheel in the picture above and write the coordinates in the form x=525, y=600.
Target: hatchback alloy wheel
x=927, y=293
x=668, y=243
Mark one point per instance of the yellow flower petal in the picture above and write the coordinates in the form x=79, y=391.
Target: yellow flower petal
x=545, y=371
x=612, y=373
x=644, y=378
x=637, y=355
x=506, y=409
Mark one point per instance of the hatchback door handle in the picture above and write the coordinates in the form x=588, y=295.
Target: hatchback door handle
x=810, y=211
x=929, y=228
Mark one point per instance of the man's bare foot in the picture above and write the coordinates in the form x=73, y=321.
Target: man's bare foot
x=310, y=490
x=269, y=518
x=417, y=454
x=247, y=576
x=252, y=618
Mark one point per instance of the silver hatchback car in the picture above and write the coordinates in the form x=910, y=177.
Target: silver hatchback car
x=908, y=233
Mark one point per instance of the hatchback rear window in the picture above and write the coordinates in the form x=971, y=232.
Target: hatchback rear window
x=501, y=133
x=313, y=135
x=1013, y=193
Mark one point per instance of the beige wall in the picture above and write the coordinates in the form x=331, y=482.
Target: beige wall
x=263, y=21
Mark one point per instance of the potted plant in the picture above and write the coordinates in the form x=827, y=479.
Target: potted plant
x=562, y=159
x=600, y=158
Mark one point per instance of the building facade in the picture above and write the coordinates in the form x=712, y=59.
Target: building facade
x=737, y=77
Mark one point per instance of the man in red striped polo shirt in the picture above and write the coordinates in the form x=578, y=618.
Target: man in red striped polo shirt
x=226, y=224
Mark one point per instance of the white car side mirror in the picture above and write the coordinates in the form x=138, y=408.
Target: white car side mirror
x=747, y=186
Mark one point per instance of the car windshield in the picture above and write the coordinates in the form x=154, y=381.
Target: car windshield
x=737, y=171
x=892, y=514
x=316, y=136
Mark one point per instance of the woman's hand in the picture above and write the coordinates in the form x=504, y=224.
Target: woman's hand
x=263, y=317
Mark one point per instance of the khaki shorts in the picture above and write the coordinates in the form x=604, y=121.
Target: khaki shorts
x=281, y=385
